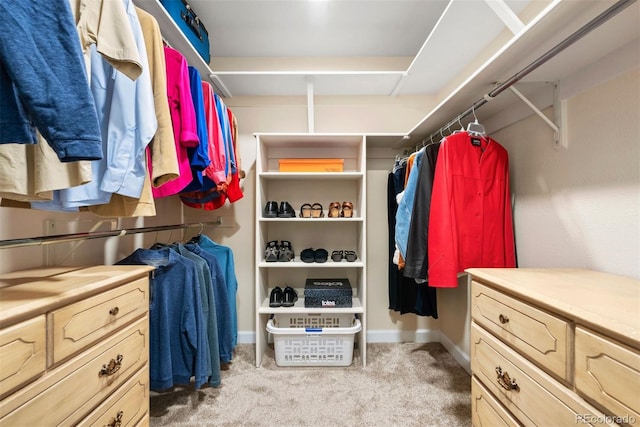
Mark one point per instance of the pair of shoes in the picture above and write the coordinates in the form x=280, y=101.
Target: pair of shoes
x=338, y=256
x=311, y=210
x=283, y=298
x=310, y=255
x=271, y=210
x=282, y=252
x=344, y=210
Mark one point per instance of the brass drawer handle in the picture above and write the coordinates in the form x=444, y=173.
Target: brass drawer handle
x=503, y=319
x=506, y=381
x=114, y=311
x=117, y=421
x=112, y=367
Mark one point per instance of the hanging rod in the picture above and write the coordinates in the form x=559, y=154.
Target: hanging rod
x=62, y=238
x=501, y=87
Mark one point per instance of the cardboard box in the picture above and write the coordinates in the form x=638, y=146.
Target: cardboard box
x=311, y=165
x=328, y=293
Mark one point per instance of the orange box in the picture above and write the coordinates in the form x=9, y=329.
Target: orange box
x=311, y=165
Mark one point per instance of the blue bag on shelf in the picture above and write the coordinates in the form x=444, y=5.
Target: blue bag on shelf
x=190, y=25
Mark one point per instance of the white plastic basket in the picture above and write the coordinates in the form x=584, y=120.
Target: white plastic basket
x=314, y=346
x=313, y=320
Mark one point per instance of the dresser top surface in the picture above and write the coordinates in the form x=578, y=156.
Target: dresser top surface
x=602, y=301
x=28, y=293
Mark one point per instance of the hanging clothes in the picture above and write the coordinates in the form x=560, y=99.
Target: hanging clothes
x=470, y=223
x=405, y=294
x=224, y=255
x=178, y=347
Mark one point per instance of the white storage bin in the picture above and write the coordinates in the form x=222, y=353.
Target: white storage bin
x=314, y=346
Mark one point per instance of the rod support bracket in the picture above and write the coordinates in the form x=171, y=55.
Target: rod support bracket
x=557, y=140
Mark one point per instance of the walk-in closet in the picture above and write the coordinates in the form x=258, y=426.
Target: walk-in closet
x=319, y=212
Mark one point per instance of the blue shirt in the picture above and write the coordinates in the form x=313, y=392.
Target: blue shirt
x=405, y=207
x=176, y=352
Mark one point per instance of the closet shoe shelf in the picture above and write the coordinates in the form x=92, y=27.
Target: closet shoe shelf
x=311, y=229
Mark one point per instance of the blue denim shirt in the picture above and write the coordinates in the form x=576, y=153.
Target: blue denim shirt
x=405, y=207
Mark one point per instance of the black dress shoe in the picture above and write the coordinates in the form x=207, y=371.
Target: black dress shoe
x=286, y=210
x=276, y=297
x=289, y=297
x=270, y=210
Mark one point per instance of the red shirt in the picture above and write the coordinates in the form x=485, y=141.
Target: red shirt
x=470, y=222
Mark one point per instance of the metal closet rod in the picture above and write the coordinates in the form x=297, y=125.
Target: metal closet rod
x=61, y=238
x=584, y=30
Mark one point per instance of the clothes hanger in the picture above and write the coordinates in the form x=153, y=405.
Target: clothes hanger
x=475, y=128
x=461, y=126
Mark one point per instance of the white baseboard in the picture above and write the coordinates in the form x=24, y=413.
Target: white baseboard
x=461, y=357
x=398, y=336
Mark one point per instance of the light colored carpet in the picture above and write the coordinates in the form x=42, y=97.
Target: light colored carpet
x=405, y=384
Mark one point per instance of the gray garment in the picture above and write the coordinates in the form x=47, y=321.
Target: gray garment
x=416, y=263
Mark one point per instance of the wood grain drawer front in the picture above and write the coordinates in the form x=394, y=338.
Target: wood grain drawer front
x=608, y=373
x=79, y=325
x=542, y=337
x=126, y=406
x=22, y=353
x=535, y=398
x=84, y=381
x=486, y=411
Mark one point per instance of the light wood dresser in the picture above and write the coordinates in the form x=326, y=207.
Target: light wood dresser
x=74, y=347
x=554, y=347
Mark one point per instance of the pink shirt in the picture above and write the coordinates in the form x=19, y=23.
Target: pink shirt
x=183, y=118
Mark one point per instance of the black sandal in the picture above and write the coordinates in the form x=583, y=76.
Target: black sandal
x=305, y=211
x=271, y=251
x=351, y=256
x=337, y=256
x=285, y=251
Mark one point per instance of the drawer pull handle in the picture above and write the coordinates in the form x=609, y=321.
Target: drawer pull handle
x=117, y=421
x=111, y=368
x=506, y=381
x=503, y=319
x=114, y=311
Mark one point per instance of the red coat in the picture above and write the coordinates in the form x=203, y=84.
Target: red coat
x=470, y=222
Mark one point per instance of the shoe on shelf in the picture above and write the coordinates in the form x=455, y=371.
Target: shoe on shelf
x=270, y=210
x=276, y=298
x=271, y=251
x=320, y=255
x=289, y=297
x=285, y=251
x=334, y=209
x=316, y=210
x=305, y=211
x=337, y=256
x=347, y=210
x=286, y=211
x=351, y=256
x=308, y=255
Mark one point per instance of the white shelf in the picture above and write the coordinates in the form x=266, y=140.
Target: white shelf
x=296, y=263
x=300, y=308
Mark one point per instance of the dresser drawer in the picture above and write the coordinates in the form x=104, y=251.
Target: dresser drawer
x=79, y=325
x=74, y=388
x=526, y=391
x=22, y=353
x=486, y=411
x=126, y=406
x=543, y=338
x=608, y=373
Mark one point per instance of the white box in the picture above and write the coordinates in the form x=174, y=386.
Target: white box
x=314, y=346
